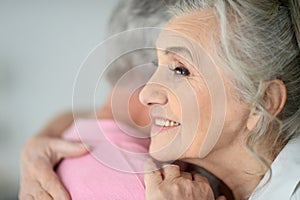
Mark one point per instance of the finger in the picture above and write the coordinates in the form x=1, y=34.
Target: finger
x=43, y=195
x=64, y=148
x=170, y=171
x=186, y=175
x=221, y=198
x=199, y=178
x=26, y=197
x=152, y=176
x=52, y=184
x=58, y=125
x=33, y=190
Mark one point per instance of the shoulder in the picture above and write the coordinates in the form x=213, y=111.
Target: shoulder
x=285, y=178
x=296, y=194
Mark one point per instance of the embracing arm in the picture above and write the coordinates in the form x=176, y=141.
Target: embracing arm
x=40, y=155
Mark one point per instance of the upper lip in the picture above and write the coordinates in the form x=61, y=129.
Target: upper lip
x=164, y=122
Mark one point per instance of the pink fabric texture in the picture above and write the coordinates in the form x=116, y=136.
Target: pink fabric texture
x=108, y=171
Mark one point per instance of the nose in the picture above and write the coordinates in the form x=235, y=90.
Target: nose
x=153, y=94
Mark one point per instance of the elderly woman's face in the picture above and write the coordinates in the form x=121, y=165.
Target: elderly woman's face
x=193, y=108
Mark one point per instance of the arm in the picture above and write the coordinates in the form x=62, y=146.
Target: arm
x=40, y=155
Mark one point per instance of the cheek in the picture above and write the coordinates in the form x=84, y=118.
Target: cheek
x=236, y=118
x=139, y=113
x=198, y=127
x=182, y=106
x=235, y=123
x=161, y=143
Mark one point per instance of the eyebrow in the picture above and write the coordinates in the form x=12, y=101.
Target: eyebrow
x=178, y=50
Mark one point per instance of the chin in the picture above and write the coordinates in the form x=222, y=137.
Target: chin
x=162, y=157
x=164, y=154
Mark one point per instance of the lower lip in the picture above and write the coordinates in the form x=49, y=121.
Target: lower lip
x=156, y=129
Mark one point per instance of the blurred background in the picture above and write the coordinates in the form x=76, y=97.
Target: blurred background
x=42, y=44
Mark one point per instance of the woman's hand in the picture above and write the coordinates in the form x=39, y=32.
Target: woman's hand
x=170, y=183
x=38, y=158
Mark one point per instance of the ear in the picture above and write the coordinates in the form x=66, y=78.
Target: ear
x=274, y=98
x=252, y=120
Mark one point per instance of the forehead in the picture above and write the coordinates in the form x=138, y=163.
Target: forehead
x=198, y=27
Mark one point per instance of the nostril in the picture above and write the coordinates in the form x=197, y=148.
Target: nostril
x=149, y=104
x=153, y=94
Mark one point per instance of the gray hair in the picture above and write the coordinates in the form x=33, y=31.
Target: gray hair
x=133, y=15
x=260, y=42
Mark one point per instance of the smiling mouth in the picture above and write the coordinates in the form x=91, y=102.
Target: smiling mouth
x=165, y=123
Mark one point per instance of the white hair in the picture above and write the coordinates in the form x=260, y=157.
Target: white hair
x=133, y=15
x=259, y=42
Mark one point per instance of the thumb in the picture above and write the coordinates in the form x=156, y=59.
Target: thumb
x=171, y=171
x=63, y=149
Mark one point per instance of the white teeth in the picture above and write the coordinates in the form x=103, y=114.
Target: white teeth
x=159, y=122
x=163, y=122
x=167, y=123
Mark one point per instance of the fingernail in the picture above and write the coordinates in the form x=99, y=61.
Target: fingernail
x=85, y=146
x=166, y=165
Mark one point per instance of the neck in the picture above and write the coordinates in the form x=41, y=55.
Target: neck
x=236, y=167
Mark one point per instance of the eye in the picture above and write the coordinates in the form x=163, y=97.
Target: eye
x=179, y=69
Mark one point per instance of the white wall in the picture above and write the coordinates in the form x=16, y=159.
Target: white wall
x=42, y=44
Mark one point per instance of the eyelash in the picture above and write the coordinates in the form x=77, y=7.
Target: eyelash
x=179, y=69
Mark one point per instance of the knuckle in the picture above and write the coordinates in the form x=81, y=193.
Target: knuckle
x=50, y=181
x=42, y=195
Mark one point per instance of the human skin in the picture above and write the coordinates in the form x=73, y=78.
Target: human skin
x=45, y=150
x=228, y=158
x=39, y=156
x=172, y=183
